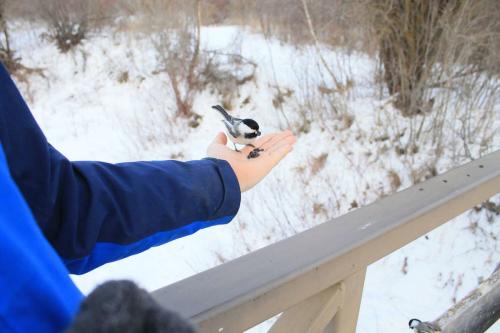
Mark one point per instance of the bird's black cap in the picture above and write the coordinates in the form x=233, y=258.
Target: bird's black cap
x=251, y=123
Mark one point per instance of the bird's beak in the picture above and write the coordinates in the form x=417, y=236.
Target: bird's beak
x=258, y=133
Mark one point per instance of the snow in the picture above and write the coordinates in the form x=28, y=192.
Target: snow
x=87, y=113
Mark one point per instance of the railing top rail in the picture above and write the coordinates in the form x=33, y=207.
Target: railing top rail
x=265, y=282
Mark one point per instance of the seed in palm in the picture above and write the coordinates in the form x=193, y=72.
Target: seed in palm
x=254, y=153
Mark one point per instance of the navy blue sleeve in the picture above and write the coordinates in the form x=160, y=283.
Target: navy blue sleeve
x=37, y=292
x=93, y=212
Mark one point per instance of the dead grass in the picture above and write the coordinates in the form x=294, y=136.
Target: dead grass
x=318, y=163
x=394, y=180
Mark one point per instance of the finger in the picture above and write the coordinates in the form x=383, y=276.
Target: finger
x=265, y=138
x=258, y=143
x=278, y=152
x=220, y=138
x=278, y=146
x=272, y=141
x=283, y=136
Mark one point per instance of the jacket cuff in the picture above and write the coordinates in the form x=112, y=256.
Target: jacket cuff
x=231, y=198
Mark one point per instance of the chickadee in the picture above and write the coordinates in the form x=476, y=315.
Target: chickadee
x=240, y=131
x=423, y=327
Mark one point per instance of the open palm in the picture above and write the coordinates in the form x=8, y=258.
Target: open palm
x=251, y=171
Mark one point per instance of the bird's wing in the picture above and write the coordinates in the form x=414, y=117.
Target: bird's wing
x=231, y=129
x=426, y=327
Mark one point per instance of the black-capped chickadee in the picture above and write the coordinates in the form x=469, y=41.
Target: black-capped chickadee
x=423, y=327
x=240, y=131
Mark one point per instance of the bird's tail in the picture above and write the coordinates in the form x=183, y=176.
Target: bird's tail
x=222, y=112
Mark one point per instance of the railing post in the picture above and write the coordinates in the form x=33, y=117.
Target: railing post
x=313, y=314
x=346, y=318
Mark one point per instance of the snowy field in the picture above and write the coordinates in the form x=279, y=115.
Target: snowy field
x=89, y=111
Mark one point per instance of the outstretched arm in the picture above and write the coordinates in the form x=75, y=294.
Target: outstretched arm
x=92, y=212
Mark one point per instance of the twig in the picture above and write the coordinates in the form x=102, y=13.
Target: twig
x=316, y=45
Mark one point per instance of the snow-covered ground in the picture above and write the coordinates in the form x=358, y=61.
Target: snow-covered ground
x=89, y=111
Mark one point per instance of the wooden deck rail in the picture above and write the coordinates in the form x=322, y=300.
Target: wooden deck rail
x=316, y=278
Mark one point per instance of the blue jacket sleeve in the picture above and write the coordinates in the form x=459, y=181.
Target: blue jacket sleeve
x=93, y=212
x=37, y=294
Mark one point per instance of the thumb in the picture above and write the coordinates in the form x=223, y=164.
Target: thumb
x=220, y=138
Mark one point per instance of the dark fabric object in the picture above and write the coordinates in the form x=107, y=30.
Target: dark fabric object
x=122, y=307
x=93, y=212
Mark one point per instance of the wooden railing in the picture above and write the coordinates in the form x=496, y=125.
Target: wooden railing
x=315, y=278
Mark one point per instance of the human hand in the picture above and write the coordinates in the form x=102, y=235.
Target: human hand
x=251, y=171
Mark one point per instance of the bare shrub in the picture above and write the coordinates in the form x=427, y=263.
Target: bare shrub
x=285, y=20
x=174, y=28
x=408, y=34
x=318, y=163
x=394, y=180
x=317, y=101
x=176, y=40
x=423, y=44
x=281, y=95
x=153, y=126
x=70, y=21
x=323, y=96
x=224, y=73
x=320, y=23
x=216, y=11
x=123, y=77
x=439, y=66
x=7, y=56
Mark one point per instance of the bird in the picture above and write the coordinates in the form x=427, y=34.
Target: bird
x=423, y=327
x=240, y=131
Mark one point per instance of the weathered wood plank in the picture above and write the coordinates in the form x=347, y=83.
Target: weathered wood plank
x=248, y=290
